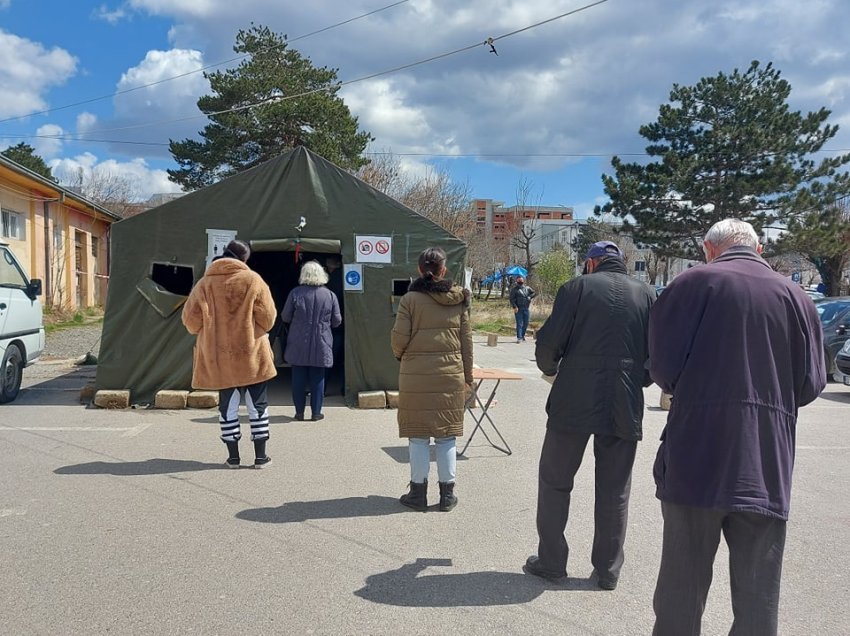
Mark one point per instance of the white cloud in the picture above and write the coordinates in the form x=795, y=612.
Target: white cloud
x=27, y=71
x=144, y=180
x=5, y=4
x=112, y=16
x=85, y=122
x=146, y=99
x=49, y=143
x=171, y=97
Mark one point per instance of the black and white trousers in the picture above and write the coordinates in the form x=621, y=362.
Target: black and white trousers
x=258, y=412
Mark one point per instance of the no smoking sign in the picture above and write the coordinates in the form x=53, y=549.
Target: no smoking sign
x=374, y=249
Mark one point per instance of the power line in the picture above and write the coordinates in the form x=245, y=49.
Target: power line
x=441, y=155
x=203, y=68
x=339, y=85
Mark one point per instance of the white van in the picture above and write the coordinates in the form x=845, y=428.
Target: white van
x=21, y=325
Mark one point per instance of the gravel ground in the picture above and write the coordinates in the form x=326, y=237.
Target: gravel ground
x=72, y=342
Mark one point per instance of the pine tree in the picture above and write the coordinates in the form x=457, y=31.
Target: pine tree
x=24, y=155
x=729, y=146
x=278, y=79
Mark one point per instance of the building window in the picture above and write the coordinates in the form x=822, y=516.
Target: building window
x=13, y=225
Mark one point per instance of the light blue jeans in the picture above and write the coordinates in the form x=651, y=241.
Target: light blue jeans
x=420, y=458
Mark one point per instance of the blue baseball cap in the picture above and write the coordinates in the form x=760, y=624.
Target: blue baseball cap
x=604, y=248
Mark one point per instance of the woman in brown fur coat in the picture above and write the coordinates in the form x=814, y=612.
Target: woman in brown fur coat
x=432, y=339
x=231, y=311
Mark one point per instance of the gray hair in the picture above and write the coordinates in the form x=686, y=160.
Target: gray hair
x=732, y=233
x=312, y=273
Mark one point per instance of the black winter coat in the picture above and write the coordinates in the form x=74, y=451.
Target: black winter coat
x=596, y=342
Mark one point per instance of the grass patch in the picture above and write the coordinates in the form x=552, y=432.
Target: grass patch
x=496, y=316
x=58, y=319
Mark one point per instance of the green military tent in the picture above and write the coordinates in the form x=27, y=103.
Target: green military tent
x=290, y=209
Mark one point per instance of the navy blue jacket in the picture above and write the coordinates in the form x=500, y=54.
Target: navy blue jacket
x=740, y=349
x=596, y=341
x=311, y=311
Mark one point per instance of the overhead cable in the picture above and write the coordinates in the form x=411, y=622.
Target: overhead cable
x=203, y=68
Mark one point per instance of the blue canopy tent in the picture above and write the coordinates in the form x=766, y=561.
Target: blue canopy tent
x=513, y=270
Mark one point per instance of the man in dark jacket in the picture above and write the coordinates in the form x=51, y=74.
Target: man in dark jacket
x=739, y=348
x=596, y=342
x=521, y=296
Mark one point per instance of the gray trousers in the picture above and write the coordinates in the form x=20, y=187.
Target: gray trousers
x=559, y=462
x=691, y=536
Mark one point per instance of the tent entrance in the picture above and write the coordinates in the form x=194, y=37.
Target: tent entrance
x=280, y=270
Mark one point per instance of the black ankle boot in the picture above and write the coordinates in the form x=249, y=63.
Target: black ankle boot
x=260, y=457
x=417, y=498
x=448, y=500
x=233, y=454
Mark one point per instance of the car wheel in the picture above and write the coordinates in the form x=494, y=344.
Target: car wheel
x=11, y=374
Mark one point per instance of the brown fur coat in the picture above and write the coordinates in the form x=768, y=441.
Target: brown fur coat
x=231, y=311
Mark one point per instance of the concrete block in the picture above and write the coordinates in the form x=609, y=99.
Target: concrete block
x=666, y=400
x=202, y=400
x=112, y=399
x=171, y=399
x=492, y=339
x=372, y=400
x=392, y=399
x=87, y=393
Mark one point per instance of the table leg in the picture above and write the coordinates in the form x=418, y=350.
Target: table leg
x=485, y=408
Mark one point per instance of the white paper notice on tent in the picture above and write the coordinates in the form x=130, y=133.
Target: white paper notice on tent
x=217, y=240
x=352, y=277
x=467, y=278
x=373, y=249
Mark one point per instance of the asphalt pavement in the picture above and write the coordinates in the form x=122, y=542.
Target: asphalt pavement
x=126, y=522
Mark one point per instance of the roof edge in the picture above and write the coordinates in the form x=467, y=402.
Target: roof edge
x=59, y=189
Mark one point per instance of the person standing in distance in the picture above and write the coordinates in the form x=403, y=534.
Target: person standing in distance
x=231, y=311
x=432, y=339
x=595, y=345
x=520, y=297
x=739, y=347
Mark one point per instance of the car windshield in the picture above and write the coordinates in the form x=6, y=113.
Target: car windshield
x=829, y=311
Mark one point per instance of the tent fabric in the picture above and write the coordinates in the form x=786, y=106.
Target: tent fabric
x=324, y=246
x=145, y=347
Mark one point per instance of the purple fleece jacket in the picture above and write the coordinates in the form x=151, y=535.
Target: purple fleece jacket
x=740, y=349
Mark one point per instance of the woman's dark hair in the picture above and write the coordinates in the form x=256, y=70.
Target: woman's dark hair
x=431, y=262
x=238, y=250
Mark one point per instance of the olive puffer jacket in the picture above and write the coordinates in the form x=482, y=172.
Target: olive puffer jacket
x=231, y=311
x=433, y=340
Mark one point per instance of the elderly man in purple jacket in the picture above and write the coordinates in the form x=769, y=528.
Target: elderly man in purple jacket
x=740, y=349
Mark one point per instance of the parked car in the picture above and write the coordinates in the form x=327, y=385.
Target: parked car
x=814, y=295
x=842, y=361
x=21, y=325
x=834, y=315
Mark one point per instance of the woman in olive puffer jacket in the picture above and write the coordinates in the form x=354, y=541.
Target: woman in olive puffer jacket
x=432, y=339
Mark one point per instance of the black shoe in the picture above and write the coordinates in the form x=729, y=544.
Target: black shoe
x=318, y=417
x=448, y=499
x=262, y=462
x=233, y=454
x=605, y=582
x=299, y=417
x=417, y=498
x=532, y=566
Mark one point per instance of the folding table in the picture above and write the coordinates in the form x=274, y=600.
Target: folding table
x=480, y=375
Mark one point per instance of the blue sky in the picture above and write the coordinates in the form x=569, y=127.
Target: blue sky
x=577, y=86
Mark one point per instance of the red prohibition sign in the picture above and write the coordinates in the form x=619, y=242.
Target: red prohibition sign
x=365, y=247
x=382, y=247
